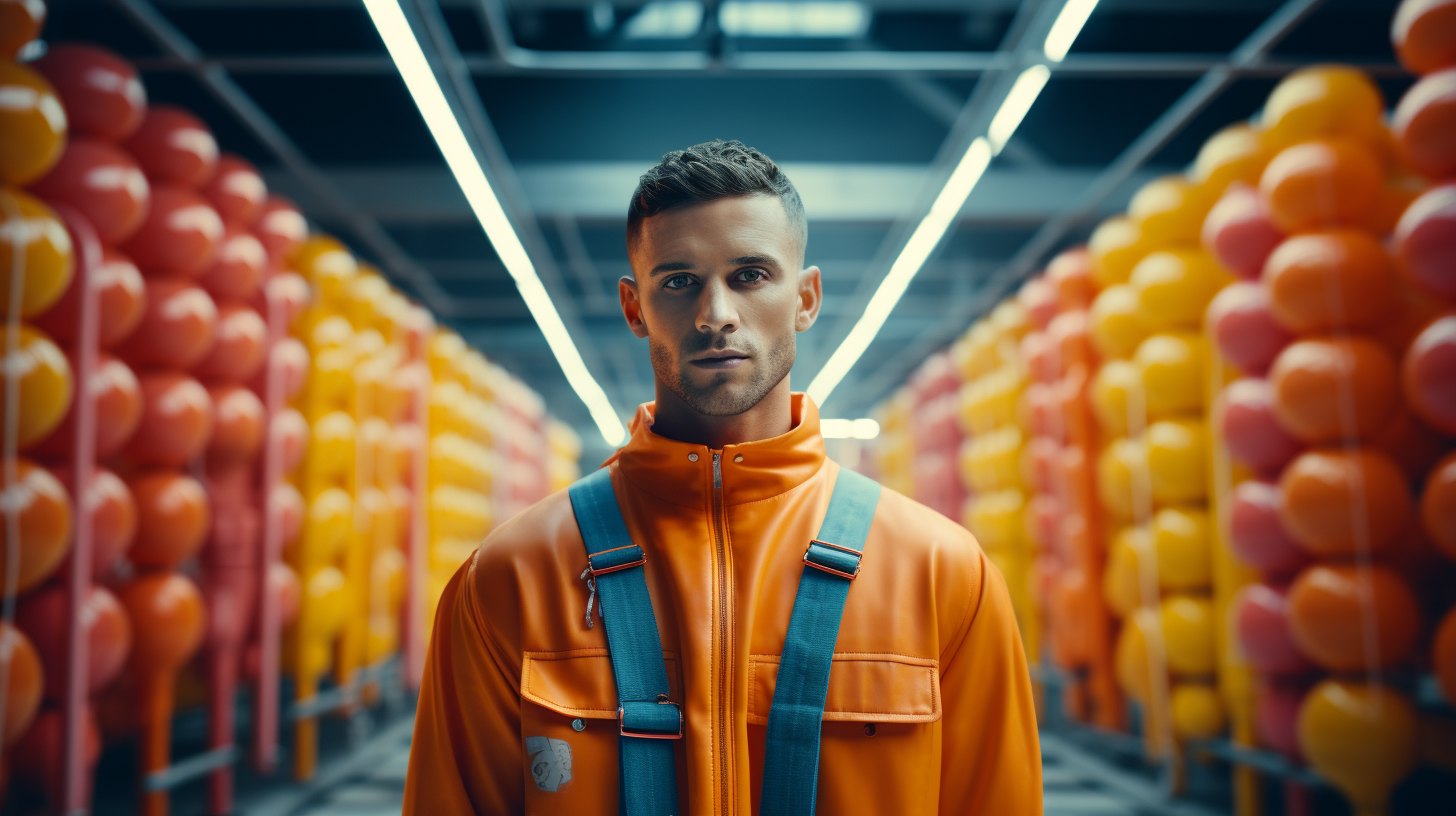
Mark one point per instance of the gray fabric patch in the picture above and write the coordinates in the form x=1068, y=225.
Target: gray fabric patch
x=550, y=762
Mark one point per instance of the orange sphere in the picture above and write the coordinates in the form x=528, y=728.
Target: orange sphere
x=240, y=267
x=24, y=686
x=20, y=22
x=1175, y=286
x=1236, y=153
x=176, y=420
x=102, y=92
x=46, y=384
x=237, y=350
x=1071, y=274
x=117, y=396
x=1170, y=210
x=1349, y=618
x=44, y=508
x=1335, y=279
x=113, y=514
x=237, y=423
x=1438, y=505
x=1324, y=100
x=281, y=228
x=122, y=302
x=1331, y=389
x=1321, y=183
x=1362, y=737
x=166, y=613
x=1424, y=34
x=1339, y=503
x=47, y=253
x=178, y=328
x=1423, y=123
x=236, y=190
x=32, y=125
x=173, y=515
x=174, y=146
x=1443, y=654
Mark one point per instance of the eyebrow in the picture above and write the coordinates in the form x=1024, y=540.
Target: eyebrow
x=683, y=266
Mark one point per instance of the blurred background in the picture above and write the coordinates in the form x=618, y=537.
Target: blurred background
x=1154, y=297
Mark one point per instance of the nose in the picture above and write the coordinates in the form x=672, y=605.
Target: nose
x=716, y=311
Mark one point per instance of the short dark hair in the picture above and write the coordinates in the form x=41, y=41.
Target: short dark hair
x=708, y=172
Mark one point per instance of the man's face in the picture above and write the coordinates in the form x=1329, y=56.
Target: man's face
x=719, y=294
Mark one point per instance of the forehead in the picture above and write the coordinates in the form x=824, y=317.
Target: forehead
x=727, y=227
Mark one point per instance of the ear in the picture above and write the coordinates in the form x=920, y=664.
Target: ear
x=811, y=297
x=631, y=306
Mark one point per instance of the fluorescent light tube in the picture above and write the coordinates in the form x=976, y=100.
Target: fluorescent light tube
x=1066, y=28
x=405, y=50
x=1013, y=109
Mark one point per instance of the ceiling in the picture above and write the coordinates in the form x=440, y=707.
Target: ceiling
x=566, y=108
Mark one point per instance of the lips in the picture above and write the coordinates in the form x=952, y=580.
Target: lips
x=726, y=358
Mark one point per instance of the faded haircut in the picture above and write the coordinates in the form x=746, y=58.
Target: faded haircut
x=708, y=172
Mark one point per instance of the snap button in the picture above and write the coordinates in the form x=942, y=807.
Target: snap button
x=869, y=729
x=578, y=725
x=738, y=458
x=692, y=457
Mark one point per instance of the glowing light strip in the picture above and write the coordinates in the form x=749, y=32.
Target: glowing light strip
x=948, y=204
x=409, y=58
x=849, y=428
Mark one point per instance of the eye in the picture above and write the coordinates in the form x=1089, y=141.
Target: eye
x=752, y=275
x=677, y=282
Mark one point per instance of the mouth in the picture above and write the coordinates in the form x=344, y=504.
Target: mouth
x=726, y=358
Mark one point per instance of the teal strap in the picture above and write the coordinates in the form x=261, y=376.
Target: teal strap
x=648, y=723
x=791, y=749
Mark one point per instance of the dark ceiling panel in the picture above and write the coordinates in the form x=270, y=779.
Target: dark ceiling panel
x=1089, y=120
x=346, y=119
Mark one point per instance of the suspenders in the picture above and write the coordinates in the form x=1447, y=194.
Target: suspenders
x=649, y=722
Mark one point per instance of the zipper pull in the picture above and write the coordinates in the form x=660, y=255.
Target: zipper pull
x=591, y=585
x=717, y=470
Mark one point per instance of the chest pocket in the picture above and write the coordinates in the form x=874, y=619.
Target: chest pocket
x=569, y=770
x=879, y=748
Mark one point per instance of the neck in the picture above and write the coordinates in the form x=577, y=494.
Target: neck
x=675, y=419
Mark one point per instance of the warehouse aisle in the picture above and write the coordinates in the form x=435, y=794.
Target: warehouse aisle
x=1076, y=783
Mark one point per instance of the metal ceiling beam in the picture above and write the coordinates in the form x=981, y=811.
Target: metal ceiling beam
x=872, y=387
x=763, y=63
x=337, y=207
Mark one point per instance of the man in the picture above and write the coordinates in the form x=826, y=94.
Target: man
x=723, y=484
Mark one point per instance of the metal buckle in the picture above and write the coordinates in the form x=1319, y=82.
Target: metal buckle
x=617, y=567
x=622, y=726
x=831, y=570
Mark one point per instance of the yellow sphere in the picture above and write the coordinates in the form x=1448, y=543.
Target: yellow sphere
x=1116, y=325
x=1122, y=477
x=1361, y=737
x=1188, y=634
x=996, y=519
x=1198, y=712
x=446, y=350
x=1181, y=540
x=32, y=124
x=331, y=449
x=1122, y=580
x=31, y=229
x=1116, y=246
x=1236, y=153
x=387, y=578
x=1324, y=100
x=1011, y=320
x=1116, y=389
x=46, y=383
x=366, y=299
x=327, y=528
x=330, y=381
x=326, y=264
x=325, y=604
x=1176, y=464
x=1172, y=373
x=1169, y=210
x=1174, y=287
x=331, y=332
x=1132, y=657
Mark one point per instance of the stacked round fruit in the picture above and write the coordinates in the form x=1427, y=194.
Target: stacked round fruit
x=894, y=453
x=563, y=452
x=936, y=436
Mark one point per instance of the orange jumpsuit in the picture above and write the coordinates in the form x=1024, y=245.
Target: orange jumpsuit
x=929, y=707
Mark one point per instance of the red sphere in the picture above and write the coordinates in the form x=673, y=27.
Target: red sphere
x=237, y=424
x=176, y=420
x=1429, y=375
x=113, y=514
x=118, y=410
x=1261, y=619
x=43, y=614
x=174, y=515
x=237, y=350
x=290, y=291
x=122, y=300
x=1425, y=241
x=174, y=147
x=1277, y=712
x=1039, y=296
x=1244, y=327
x=1424, y=35
x=1250, y=428
x=236, y=190
x=285, y=508
x=179, y=237
x=240, y=266
x=1239, y=232
x=281, y=228
x=103, y=183
x=178, y=329
x=1255, y=533
x=102, y=92
x=1424, y=122
x=290, y=433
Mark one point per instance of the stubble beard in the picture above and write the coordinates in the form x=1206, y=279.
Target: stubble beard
x=720, y=397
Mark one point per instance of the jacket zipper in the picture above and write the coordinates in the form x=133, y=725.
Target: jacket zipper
x=725, y=654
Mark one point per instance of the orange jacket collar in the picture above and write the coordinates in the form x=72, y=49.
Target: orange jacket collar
x=673, y=471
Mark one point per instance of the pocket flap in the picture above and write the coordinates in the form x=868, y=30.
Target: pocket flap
x=862, y=688
x=580, y=683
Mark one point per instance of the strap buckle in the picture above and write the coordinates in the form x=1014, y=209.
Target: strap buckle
x=648, y=729
x=830, y=562
x=616, y=559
